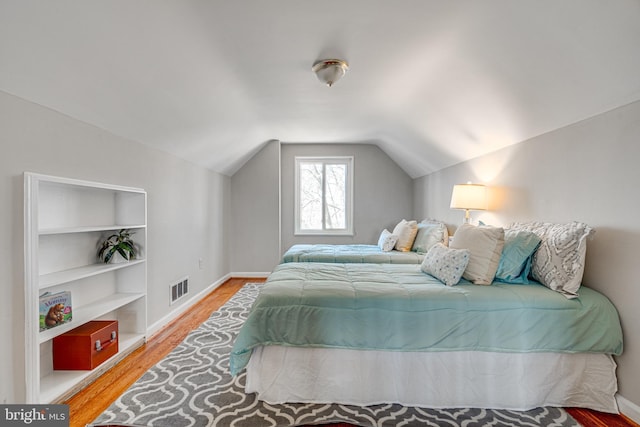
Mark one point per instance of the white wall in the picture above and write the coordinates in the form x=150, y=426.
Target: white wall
x=255, y=207
x=382, y=192
x=588, y=172
x=188, y=206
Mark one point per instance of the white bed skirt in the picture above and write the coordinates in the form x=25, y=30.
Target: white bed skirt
x=517, y=381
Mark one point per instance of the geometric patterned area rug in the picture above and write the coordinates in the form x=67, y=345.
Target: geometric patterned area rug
x=192, y=386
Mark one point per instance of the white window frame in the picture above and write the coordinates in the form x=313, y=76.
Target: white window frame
x=348, y=230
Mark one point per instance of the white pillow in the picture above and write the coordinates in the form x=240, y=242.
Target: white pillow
x=387, y=241
x=406, y=232
x=558, y=263
x=429, y=233
x=445, y=264
x=485, y=243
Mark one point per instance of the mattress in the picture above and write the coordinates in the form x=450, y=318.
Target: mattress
x=349, y=254
x=398, y=308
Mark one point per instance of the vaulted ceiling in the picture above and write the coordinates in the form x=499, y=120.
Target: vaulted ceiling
x=431, y=82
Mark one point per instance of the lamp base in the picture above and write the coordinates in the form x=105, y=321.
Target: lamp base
x=467, y=217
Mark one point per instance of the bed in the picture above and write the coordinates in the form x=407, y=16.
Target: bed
x=406, y=244
x=366, y=334
x=358, y=253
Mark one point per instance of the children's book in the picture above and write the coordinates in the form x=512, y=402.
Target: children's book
x=55, y=309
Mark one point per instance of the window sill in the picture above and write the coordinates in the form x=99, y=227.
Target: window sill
x=325, y=233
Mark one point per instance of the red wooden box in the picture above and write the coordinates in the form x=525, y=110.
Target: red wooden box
x=86, y=346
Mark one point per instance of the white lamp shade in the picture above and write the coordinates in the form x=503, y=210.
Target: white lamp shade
x=469, y=196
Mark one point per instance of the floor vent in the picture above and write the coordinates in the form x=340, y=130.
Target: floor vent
x=180, y=289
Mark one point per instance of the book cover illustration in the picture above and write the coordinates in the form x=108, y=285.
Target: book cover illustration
x=55, y=309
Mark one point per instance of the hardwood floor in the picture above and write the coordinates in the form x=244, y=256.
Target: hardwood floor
x=90, y=402
x=598, y=419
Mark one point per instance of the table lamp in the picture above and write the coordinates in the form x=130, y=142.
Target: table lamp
x=469, y=197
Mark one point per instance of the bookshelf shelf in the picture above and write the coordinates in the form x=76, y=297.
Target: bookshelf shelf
x=85, y=313
x=58, y=385
x=69, y=230
x=64, y=276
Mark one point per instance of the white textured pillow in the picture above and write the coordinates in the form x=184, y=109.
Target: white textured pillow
x=406, y=232
x=387, y=241
x=445, y=264
x=558, y=263
x=485, y=244
x=429, y=233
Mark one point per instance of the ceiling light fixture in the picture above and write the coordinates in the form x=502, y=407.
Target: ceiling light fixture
x=330, y=71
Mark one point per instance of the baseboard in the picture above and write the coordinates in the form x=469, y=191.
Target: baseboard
x=628, y=408
x=251, y=275
x=164, y=321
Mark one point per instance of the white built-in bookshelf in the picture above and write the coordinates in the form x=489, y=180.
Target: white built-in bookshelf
x=65, y=220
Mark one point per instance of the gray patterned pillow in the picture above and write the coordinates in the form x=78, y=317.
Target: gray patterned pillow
x=445, y=264
x=558, y=263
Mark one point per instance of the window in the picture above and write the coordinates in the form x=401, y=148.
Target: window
x=323, y=199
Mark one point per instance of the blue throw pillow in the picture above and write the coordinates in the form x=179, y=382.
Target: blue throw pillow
x=515, y=261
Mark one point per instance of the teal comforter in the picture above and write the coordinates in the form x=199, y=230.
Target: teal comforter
x=349, y=254
x=399, y=308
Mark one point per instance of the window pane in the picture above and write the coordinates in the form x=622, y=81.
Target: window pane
x=310, y=196
x=335, y=185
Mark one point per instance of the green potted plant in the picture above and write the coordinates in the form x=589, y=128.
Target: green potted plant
x=118, y=247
